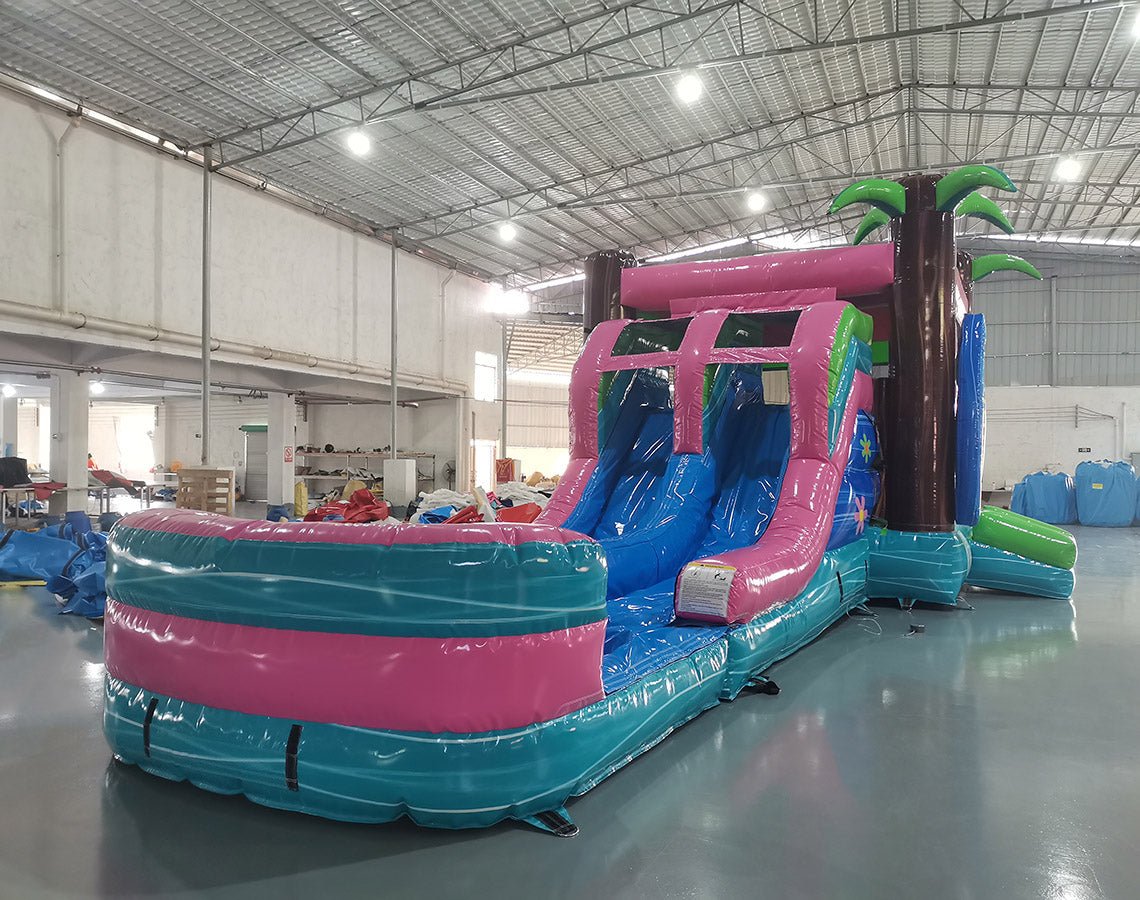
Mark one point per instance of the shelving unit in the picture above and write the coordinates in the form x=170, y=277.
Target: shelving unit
x=424, y=475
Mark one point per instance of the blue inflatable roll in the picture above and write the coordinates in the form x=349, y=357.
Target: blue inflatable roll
x=971, y=420
x=1046, y=496
x=1106, y=493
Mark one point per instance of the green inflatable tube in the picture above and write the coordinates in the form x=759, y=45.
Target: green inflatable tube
x=1039, y=541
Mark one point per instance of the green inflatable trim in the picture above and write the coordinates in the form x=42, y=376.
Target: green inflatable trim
x=874, y=220
x=889, y=196
x=952, y=189
x=1001, y=262
x=1005, y=530
x=852, y=323
x=984, y=208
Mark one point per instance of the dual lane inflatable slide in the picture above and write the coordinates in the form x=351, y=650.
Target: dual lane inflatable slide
x=717, y=514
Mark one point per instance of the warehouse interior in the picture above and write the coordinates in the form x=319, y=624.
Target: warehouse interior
x=333, y=311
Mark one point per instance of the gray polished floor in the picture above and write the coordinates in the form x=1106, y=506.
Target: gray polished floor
x=995, y=755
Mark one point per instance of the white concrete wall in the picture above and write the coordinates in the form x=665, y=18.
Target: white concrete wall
x=28, y=443
x=538, y=424
x=181, y=421
x=129, y=226
x=364, y=425
x=1028, y=428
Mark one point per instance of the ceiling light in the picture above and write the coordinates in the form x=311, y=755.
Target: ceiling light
x=689, y=88
x=1136, y=27
x=97, y=387
x=8, y=390
x=507, y=232
x=358, y=142
x=1068, y=169
x=756, y=201
x=502, y=302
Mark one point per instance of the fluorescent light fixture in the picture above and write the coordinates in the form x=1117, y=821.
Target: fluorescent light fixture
x=555, y=282
x=507, y=232
x=96, y=388
x=358, y=142
x=757, y=202
x=1068, y=169
x=689, y=88
x=8, y=390
x=502, y=302
x=696, y=251
x=112, y=122
x=48, y=95
x=1136, y=27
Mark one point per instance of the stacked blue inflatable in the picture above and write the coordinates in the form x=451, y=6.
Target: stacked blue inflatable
x=1047, y=496
x=1106, y=493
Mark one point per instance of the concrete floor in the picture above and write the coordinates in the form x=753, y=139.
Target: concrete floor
x=996, y=755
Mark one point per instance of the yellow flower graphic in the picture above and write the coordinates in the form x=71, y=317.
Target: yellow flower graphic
x=865, y=443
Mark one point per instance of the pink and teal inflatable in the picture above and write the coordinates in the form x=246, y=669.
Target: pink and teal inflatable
x=719, y=512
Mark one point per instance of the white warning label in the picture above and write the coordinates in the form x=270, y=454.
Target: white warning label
x=704, y=589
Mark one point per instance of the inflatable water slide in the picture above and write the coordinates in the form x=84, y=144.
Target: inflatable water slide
x=717, y=514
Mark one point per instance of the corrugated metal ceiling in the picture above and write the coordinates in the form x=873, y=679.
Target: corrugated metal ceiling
x=561, y=116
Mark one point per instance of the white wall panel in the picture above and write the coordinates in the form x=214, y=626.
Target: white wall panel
x=1028, y=428
x=1097, y=330
x=282, y=277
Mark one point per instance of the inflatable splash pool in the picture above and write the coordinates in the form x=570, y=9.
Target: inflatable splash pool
x=463, y=674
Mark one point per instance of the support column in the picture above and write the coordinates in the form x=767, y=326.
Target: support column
x=281, y=443
x=394, y=326
x=207, y=211
x=399, y=474
x=67, y=463
x=503, y=393
x=9, y=425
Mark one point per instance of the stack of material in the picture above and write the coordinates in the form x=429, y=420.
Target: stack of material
x=1047, y=496
x=207, y=489
x=72, y=564
x=1106, y=493
x=511, y=502
x=362, y=506
x=520, y=492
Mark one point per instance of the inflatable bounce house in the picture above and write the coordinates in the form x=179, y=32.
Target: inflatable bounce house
x=758, y=445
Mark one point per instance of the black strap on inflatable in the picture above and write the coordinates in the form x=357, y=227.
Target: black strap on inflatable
x=291, y=758
x=74, y=556
x=556, y=823
x=839, y=578
x=7, y=537
x=150, y=708
x=761, y=684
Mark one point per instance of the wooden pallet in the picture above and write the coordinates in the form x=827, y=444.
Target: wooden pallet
x=208, y=489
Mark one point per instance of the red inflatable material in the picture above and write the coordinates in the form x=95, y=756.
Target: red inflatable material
x=362, y=506
x=524, y=513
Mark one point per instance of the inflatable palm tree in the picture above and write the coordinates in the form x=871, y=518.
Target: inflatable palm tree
x=919, y=439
